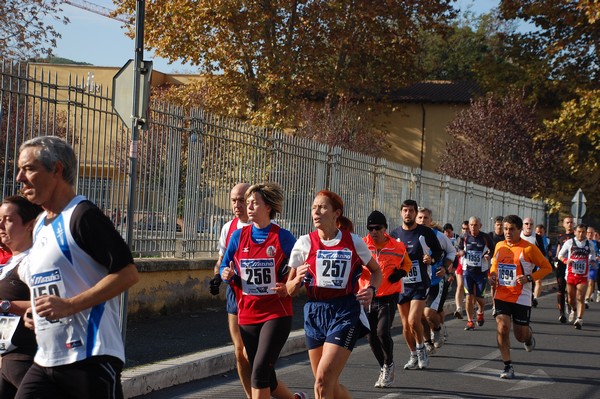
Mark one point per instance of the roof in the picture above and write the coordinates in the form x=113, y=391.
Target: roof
x=438, y=91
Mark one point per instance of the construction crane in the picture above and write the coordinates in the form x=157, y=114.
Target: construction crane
x=96, y=9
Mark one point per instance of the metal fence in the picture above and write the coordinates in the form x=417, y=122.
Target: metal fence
x=189, y=160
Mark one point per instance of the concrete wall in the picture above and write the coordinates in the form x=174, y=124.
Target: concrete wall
x=170, y=286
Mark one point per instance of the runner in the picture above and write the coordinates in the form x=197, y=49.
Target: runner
x=530, y=236
x=423, y=249
x=78, y=266
x=561, y=269
x=512, y=271
x=436, y=297
x=238, y=206
x=497, y=236
x=593, y=275
x=475, y=248
x=395, y=264
x=328, y=262
x=17, y=343
x=255, y=265
x=459, y=296
x=577, y=254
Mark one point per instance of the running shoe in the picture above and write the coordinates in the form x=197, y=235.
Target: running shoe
x=387, y=378
x=587, y=303
x=413, y=363
x=458, y=313
x=562, y=318
x=529, y=346
x=300, y=395
x=578, y=323
x=480, y=319
x=437, y=338
x=422, y=358
x=597, y=296
x=508, y=373
x=430, y=348
x=378, y=382
x=572, y=316
x=470, y=326
x=534, y=302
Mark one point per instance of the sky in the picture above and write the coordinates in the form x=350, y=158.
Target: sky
x=101, y=41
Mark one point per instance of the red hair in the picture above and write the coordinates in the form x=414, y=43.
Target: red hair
x=343, y=223
x=336, y=201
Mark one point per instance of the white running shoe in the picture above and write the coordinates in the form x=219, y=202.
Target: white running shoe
x=300, y=395
x=531, y=345
x=572, y=316
x=578, y=323
x=413, y=363
x=378, y=382
x=597, y=296
x=387, y=377
x=422, y=358
x=430, y=348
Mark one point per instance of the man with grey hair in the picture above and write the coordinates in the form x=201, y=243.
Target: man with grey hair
x=476, y=248
x=238, y=206
x=78, y=266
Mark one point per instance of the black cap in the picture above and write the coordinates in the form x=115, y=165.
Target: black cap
x=376, y=218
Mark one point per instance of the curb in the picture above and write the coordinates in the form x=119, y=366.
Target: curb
x=152, y=377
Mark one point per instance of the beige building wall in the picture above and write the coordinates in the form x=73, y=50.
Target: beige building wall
x=417, y=132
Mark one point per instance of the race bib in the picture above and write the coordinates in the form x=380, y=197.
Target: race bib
x=473, y=258
x=258, y=276
x=507, y=274
x=414, y=275
x=579, y=266
x=8, y=326
x=333, y=268
x=47, y=283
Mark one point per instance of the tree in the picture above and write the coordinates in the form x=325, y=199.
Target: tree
x=345, y=126
x=487, y=50
x=24, y=30
x=578, y=127
x=569, y=33
x=498, y=142
x=269, y=54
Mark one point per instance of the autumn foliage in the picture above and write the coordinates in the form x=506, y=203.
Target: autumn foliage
x=499, y=142
x=26, y=29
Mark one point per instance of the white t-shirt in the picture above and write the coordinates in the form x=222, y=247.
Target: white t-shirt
x=225, y=232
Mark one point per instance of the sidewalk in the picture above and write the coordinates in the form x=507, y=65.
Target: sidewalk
x=177, y=349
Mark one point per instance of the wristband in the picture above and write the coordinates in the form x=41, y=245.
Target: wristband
x=529, y=278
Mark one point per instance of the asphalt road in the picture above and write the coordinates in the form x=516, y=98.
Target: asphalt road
x=565, y=364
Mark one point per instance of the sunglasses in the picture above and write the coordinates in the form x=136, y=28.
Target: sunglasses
x=378, y=227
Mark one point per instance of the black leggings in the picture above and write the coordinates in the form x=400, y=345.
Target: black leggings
x=263, y=344
x=381, y=317
x=562, y=286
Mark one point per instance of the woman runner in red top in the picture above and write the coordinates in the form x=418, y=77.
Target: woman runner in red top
x=329, y=263
x=255, y=264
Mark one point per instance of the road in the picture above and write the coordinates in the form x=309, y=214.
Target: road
x=565, y=364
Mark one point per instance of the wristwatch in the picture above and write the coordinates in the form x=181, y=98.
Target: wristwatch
x=374, y=290
x=529, y=278
x=5, y=306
